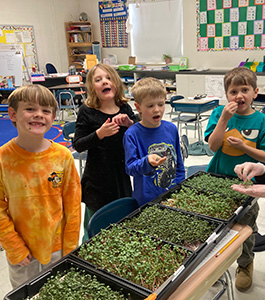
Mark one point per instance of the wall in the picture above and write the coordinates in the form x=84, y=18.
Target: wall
x=47, y=18
x=214, y=59
x=91, y=8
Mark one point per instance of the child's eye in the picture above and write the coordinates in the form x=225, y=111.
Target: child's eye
x=97, y=79
x=46, y=111
x=29, y=109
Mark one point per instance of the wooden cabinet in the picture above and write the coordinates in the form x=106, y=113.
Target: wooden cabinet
x=79, y=40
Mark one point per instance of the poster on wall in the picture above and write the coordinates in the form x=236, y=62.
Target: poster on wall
x=22, y=37
x=230, y=25
x=113, y=16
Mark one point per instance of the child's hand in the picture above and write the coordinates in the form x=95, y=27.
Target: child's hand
x=156, y=160
x=248, y=170
x=255, y=190
x=109, y=128
x=122, y=120
x=25, y=261
x=229, y=110
x=235, y=142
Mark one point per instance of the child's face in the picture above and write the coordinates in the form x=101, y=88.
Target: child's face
x=243, y=95
x=152, y=111
x=31, y=118
x=104, y=87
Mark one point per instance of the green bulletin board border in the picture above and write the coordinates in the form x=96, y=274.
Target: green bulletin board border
x=201, y=6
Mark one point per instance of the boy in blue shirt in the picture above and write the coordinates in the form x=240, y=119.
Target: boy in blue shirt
x=152, y=147
x=236, y=133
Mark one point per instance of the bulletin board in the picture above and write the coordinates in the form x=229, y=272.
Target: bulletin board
x=22, y=36
x=113, y=17
x=230, y=25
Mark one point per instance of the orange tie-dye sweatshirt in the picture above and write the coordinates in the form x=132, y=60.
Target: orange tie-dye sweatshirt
x=40, y=202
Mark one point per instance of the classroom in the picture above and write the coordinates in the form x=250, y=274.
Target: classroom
x=204, y=49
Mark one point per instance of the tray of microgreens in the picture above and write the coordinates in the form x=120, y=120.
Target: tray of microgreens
x=69, y=279
x=185, y=229
x=208, y=194
x=141, y=261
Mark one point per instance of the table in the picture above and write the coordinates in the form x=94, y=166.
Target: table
x=201, y=280
x=196, y=107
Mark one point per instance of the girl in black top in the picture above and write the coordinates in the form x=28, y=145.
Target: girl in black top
x=101, y=123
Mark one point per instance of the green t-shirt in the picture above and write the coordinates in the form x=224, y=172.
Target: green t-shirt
x=250, y=128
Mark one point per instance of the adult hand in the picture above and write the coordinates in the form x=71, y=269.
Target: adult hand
x=255, y=190
x=25, y=261
x=108, y=128
x=248, y=170
x=122, y=120
x=156, y=160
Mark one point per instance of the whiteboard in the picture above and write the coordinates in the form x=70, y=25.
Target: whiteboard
x=11, y=65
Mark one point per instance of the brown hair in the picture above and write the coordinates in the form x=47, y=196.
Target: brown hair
x=33, y=93
x=240, y=76
x=92, y=99
x=148, y=86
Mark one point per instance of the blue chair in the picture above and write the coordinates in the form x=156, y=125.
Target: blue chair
x=50, y=68
x=65, y=99
x=68, y=133
x=193, y=169
x=111, y=213
x=192, y=119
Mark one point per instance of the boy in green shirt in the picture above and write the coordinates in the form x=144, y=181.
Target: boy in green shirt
x=236, y=133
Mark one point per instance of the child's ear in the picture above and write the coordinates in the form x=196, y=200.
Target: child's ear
x=256, y=92
x=12, y=114
x=138, y=107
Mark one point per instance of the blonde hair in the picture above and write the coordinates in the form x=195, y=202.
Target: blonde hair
x=33, y=93
x=146, y=87
x=92, y=99
x=240, y=76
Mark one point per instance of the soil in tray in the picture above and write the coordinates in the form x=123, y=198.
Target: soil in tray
x=205, y=203
x=176, y=227
x=133, y=256
x=215, y=183
x=77, y=284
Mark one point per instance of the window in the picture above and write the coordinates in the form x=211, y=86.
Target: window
x=156, y=29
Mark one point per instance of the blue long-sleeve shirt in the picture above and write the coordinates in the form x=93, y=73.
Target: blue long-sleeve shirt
x=139, y=142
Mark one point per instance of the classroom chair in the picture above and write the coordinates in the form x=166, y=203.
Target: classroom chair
x=111, y=213
x=65, y=99
x=50, y=68
x=68, y=133
x=187, y=122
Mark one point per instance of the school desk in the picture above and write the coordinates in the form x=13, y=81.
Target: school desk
x=202, y=279
x=197, y=108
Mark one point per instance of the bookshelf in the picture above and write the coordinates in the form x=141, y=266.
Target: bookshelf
x=79, y=40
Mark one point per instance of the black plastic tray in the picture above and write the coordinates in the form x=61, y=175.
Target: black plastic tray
x=178, y=280
x=247, y=199
x=32, y=287
x=235, y=216
x=218, y=225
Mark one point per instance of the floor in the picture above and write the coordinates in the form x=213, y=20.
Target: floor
x=257, y=290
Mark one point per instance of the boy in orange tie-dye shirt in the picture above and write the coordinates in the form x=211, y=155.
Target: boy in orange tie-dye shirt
x=40, y=195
